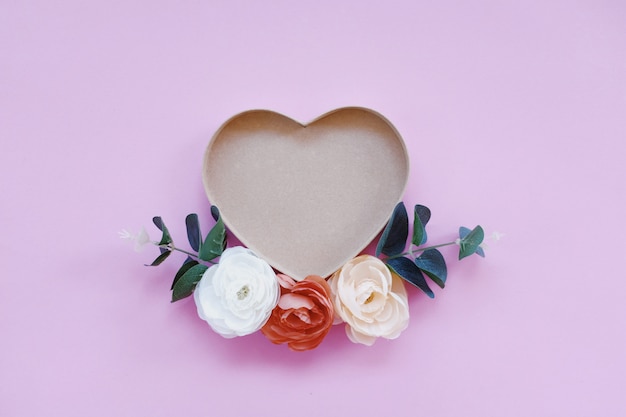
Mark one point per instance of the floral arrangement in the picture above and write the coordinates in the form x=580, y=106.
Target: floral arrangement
x=238, y=293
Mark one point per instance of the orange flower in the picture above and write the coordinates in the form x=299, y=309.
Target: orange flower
x=304, y=313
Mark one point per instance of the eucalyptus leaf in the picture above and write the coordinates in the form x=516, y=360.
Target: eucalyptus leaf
x=408, y=271
x=213, y=245
x=193, y=231
x=188, y=264
x=166, y=239
x=421, y=216
x=158, y=221
x=393, y=240
x=470, y=241
x=159, y=260
x=480, y=252
x=215, y=213
x=185, y=285
x=432, y=263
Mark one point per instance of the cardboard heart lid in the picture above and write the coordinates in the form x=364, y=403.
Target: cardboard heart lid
x=307, y=198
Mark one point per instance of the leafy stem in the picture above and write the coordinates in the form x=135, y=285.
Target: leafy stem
x=170, y=247
x=412, y=252
x=414, y=264
x=198, y=261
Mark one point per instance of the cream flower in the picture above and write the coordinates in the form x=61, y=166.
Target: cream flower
x=372, y=301
x=236, y=296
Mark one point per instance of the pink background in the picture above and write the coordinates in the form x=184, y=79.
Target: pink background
x=514, y=114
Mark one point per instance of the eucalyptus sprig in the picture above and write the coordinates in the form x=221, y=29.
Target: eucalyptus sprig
x=197, y=262
x=412, y=264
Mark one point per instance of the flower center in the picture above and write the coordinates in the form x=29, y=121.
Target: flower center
x=243, y=292
x=370, y=298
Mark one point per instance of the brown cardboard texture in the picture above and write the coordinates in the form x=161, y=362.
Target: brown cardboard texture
x=306, y=198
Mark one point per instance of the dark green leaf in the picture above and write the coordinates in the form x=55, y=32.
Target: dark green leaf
x=166, y=239
x=213, y=245
x=193, y=231
x=158, y=221
x=393, y=240
x=189, y=263
x=215, y=213
x=470, y=241
x=163, y=256
x=432, y=263
x=421, y=216
x=480, y=252
x=185, y=285
x=407, y=270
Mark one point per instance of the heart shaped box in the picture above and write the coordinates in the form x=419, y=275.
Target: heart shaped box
x=307, y=198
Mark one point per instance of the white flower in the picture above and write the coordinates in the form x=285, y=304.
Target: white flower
x=141, y=239
x=237, y=296
x=371, y=300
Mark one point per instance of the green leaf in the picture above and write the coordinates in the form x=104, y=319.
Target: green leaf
x=163, y=256
x=408, y=271
x=193, y=231
x=393, y=240
x=185, y=285
x=166, y=239
x=188, y=264
x=421, y=216
x=432, y=263
x=214, y=244
x=215, y=213
x=470, y=241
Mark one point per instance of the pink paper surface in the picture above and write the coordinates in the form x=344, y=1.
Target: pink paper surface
x=514, y=115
